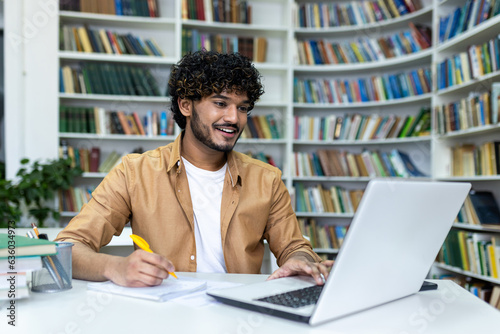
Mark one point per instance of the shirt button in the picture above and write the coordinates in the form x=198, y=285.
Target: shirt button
x=192, y=257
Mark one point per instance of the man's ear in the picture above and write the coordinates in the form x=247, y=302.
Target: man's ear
x=185, y=106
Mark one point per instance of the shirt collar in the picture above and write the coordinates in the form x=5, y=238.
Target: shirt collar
x=232, y=161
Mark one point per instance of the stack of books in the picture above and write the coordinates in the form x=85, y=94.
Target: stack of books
x=18, y=257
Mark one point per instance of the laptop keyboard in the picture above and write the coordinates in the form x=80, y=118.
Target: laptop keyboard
x=295, y=298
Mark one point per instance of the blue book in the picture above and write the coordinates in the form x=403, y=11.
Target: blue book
x=443, y=25
x=387, y=87
x=61, y=81
x=387, y=163
x=414, y=46
x=418, y=85
x=405, y=90
x=163, y=123
x=118, y=7
x=395, y=86
x=348, y=87
x=410, y=166
x=315, y=51
x=400, y=5
x=454, y=22
x=363, y=91
x=307, y=90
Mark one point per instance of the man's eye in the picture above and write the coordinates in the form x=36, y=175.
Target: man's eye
x=243, y=109
x=220, y=104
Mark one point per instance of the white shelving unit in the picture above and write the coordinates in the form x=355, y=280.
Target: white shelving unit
x=34, y=88
x=442, y=143
x=419, y=148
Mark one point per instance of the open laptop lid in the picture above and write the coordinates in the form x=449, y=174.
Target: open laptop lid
x=391, y=244
x=388, y=250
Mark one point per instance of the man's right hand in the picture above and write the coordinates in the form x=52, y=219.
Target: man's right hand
x=139, y=269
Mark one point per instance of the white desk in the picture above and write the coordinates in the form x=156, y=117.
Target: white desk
x=450, y=309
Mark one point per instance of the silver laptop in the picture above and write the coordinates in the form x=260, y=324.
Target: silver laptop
x=388, y=250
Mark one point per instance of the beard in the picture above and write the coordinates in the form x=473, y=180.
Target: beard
x=202, y=133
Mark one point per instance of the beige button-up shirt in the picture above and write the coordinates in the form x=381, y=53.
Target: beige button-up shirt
x=151, y=191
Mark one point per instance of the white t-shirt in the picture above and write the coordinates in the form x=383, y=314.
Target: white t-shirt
x=206, y=195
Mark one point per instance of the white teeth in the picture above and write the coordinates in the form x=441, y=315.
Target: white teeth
x=226, y=130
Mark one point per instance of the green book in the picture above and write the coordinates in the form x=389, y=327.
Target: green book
x=407, y=126
x=63, y=119
x=16, y=245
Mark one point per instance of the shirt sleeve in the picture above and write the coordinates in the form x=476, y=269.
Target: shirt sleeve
x=105, y=215
x=282, y=231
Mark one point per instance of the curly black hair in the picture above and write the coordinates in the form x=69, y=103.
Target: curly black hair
x=203, y=73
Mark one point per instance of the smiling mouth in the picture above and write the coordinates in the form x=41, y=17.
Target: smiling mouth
x=228, y=131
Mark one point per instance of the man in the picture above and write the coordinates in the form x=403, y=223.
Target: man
x=200, y=206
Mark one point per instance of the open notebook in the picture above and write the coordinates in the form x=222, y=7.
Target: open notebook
x=170, y=288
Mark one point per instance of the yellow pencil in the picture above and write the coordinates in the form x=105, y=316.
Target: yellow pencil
x=139, y=241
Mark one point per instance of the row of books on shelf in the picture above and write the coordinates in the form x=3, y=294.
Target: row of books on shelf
x=375, y=88
x=85, y=39
x=262, y=127
x=267, y=158
x=348, y=164
x=98, y=120
x=108, y=78
x=72, y=199
x=465, y=66
x=230, y=11
x=484, y=290
x=478, y=253
x=91, y=159
x=318, y=199
x=148, y=8
x=480, y=208
x=334, y=14
x=476, y=110
x=254, y=48
x=322, y=235
x=362, y=127
x=14, y=269
x=476, y=160
x=362, y=50
x=462, y=19
x=88, y=159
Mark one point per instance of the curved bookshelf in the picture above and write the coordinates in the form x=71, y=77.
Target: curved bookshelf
x=350, y=178
x=467, y=273
x=389, y=141
x=132, y=59
x=118, y=137
x=116, y=20
x=235, y=27
x=480, y=228
x=422, y=14
x=475, y=131
x=413, y=99
x=469, y=85
x=420, y=57
x=324, y=215
x=119, y=98
x=486, y=29
x=469, y=178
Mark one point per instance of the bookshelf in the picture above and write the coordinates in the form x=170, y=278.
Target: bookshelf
x=378, y=65
x=282, y=65
x=169, y=31
x=465, y=86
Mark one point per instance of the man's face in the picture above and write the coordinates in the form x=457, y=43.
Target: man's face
x=218, y=120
